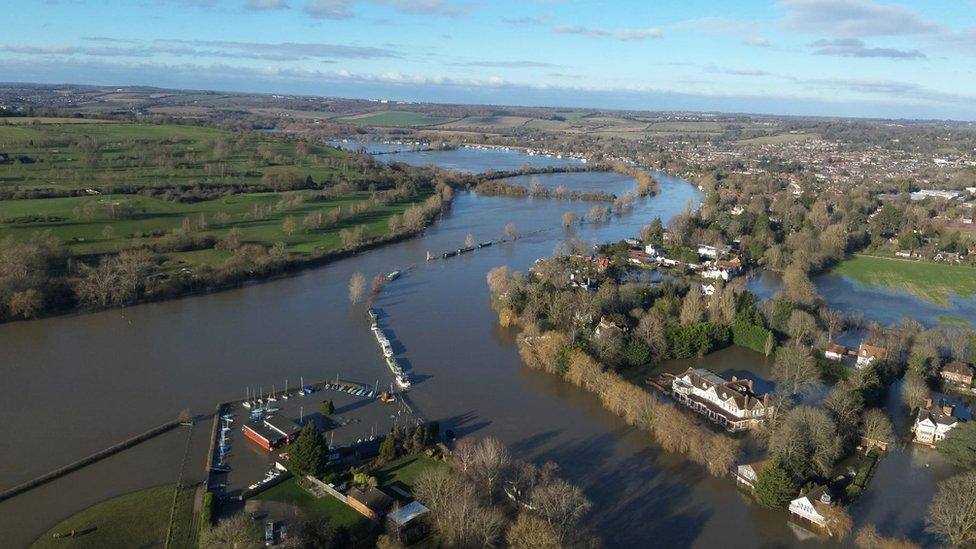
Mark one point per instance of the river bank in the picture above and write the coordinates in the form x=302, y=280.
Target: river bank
x=76, y=375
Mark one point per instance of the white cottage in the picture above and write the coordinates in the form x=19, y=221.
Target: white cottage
x=809, y=507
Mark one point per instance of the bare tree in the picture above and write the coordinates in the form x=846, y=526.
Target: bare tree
x=869, y=538
x=836, y=521
x=463, y=454
x=833, y=320
x=569, y=219
x=491, y=459
x=914, y=391
x=795, y=369
x=234, y=532
x=806, y=442
x=288, y=226
x=561, y=504
x=876, y=425
x=357, y=285
x=469, y=241
x=531, y=532
x=952, y=512
x=692, y=307
x=510, y=231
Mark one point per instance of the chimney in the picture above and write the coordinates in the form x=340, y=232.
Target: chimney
x=948, y=409
x=735, y=378
x=928, y=403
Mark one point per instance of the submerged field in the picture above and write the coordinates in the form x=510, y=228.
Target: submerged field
x=932, y=282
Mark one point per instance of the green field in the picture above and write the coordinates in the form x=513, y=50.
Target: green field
x=78, y=154
x=338, y=513
x=932, y=282
x=148, y=218
x=139, y=519
x=403, y=472
x=394, y=118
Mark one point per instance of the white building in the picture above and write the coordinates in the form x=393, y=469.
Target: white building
x=748, y=473
x=731, y=404
x=810, y=506
x=934, y=421
x=835, y=351
x=867, y=353
x=705, y=250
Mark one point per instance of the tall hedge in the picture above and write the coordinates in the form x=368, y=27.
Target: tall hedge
x=697, y=339
x=749, y=335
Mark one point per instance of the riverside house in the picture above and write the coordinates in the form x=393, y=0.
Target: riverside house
x=810, y=507
x=934, y=421
x=835, y=351
x=731, y=404
x=747, y=473
x=958, y=372
x=867, y=353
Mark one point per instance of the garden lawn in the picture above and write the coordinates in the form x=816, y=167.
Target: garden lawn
x=932, y=282
x=337, y=512
x=139, y=519
x=403, y=472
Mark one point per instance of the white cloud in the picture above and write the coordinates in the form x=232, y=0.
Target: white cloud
x=853, y=18
x=618, y=34
x=328, y=9
x=266, y=5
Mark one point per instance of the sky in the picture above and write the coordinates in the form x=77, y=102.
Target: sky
x=860, y=58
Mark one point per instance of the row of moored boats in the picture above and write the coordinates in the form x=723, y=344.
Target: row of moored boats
x=387, y=348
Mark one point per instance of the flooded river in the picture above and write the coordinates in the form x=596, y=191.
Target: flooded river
x=75, y=384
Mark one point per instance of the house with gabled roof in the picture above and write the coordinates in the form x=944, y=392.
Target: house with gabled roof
x=934, y=421
x=958, y=372
x=867, y=353
x=731, y=404
x=748, y=473
x=835, y=351
x=810, y=507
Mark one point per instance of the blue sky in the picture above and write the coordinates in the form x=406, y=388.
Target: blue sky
x=822, y=57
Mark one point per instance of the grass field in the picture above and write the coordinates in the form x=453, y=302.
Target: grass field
x=394, y=118
x=85, y=233
x=932, y=282
x=77, y=154
x=955, y=321
x=403, y=472
x=139, y=519
x=338, y=513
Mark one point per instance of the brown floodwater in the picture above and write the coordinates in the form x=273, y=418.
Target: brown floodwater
x=75, y=384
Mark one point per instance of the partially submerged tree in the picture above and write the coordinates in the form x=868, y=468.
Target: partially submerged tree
x=357, y=285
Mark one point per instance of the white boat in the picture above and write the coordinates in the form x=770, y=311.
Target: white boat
x=393, y=276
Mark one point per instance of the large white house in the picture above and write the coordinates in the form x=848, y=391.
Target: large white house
x=810, y=506
x=731, y=404
x=934, y=421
